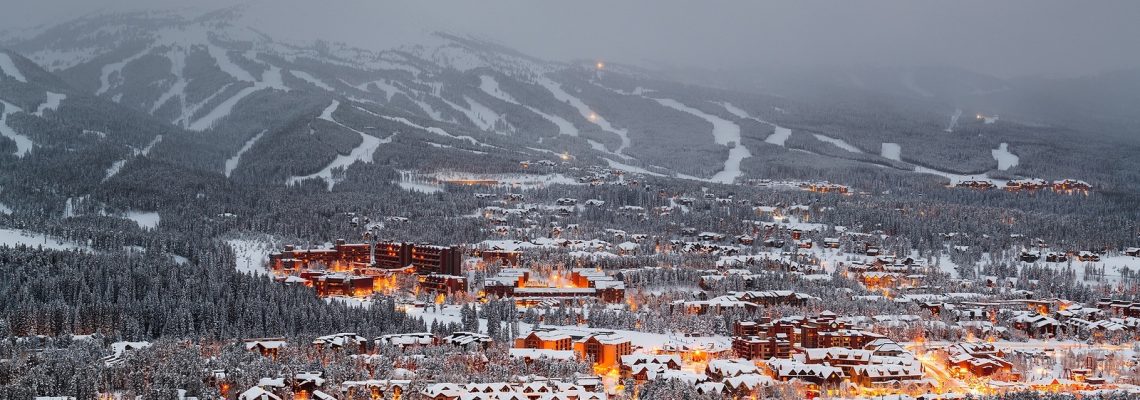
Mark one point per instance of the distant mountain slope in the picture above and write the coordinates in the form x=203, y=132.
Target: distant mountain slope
x=58, y=141
x=259, y=110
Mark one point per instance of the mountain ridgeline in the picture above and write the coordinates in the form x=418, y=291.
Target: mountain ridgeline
x=84, y=103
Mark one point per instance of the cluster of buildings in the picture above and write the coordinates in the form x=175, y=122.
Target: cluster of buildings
x=825, y=187
x=312, y=384
x=1067, y=186
x=604, y=349
x=827, y=353
x=361, y=269
x=582, y=388
x=582, y=283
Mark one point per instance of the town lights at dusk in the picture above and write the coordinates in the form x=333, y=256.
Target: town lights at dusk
x=460, y=200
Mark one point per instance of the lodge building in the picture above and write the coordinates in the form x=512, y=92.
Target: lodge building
x=423, y=259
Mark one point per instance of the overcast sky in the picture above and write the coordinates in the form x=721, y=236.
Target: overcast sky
x=1004, y=38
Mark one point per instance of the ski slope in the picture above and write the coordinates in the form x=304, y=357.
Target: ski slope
x=429, y=129
x=23, y=143
x=8, y=68
x=1004, y=157
x=311, y=79
x=840, y=143
x=178, y=88
x=117, y=67
x=590, y=115
x=725, y=133
x=954, y=120
x=233, y=162
x=222, y=110
x=779, y=134
x=362, y=153
x=489, y=85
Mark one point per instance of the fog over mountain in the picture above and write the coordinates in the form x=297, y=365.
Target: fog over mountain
x=1009, y=38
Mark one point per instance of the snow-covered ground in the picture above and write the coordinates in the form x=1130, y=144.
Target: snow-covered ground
x=178, y=88
x=221, y=111
x=1004, y=157
x=105, y=83
x=51, y=104
x=252, y=254
x=23, y=143
x=891, y=151
x=484, y=116
x=429, y=129
x=270, y=79
x=145, y=219
x=779, y=134
x=15, y=237
x=9, y=69
x=630, y=168
x=382, y=85
x=725, y=133
x=840, y=143
x=311, y=79
x=413, y=182
x=957, y=178
x=232, y=162
x=954, y=120
x=118, y=165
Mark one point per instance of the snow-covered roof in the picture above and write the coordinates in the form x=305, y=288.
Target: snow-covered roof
x=542, y=353
x=257, y=393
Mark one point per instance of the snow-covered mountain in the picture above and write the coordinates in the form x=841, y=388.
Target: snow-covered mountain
x=256, y=109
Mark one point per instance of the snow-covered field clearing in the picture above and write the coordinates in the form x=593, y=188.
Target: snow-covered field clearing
x=252, y=253
x=891, y=151
x=1004, y=157
x=16, y=237
x=145, y=219
x=51, y=104
x=413, y=182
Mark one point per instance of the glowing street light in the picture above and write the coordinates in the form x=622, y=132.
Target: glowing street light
x=600, y=65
